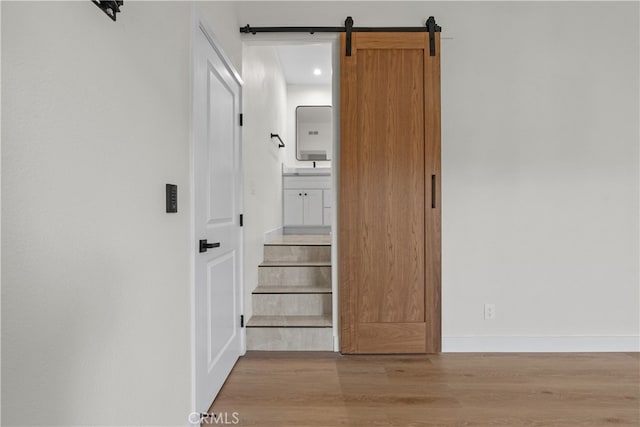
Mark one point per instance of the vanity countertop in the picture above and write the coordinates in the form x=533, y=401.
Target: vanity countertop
x=306, y=171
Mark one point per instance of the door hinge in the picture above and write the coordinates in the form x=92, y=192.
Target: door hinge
x=242, y=320
x=241, y=220
x=241, y=119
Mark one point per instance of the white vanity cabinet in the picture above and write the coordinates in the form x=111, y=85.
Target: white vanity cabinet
x=307, y=202
x=303, y=207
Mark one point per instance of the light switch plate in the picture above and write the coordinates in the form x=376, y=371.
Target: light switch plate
x=172, y=198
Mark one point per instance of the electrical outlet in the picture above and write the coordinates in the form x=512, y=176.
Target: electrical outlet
x=489, y=311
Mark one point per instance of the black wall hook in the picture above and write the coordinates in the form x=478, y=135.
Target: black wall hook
x=280, y=144
x=110, y=7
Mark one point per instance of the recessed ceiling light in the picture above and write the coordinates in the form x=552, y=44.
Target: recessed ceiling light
x=317, y=72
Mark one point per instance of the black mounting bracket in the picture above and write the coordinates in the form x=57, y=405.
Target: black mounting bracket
x=110, y=7
x=280, y=144
x=431, y=27
x=348, y=28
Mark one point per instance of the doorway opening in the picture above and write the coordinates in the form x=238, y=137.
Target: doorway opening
x=291, y=136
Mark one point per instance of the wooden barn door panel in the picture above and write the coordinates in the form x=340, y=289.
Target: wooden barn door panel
x=389, y=241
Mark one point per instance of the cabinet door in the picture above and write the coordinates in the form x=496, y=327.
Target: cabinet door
x=327, y=216
x=313, y=209
x=328, y=198
x=293, y=207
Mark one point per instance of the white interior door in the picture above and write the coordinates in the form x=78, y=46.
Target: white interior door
x=217, y=204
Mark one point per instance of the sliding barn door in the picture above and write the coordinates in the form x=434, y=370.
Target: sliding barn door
x=389, y=217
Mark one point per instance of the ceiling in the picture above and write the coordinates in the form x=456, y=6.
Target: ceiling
x=299, y=61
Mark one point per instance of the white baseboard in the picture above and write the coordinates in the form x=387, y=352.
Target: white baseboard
x=273, y=233
x=517, y=344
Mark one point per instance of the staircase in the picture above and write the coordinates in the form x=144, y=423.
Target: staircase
x=292, y=303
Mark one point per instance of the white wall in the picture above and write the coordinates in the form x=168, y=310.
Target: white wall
x=541, y=176
x=540, y=187
x=95, y=277
x=539, y=155
x=265, y=103
x=222, y=19
x=302, y=95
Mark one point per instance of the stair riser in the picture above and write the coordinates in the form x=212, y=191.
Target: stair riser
x=298, y=253
x=295, y=276
x=291, y=304
x=290, y=339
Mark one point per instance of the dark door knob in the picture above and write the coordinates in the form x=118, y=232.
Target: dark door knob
x=204, y=245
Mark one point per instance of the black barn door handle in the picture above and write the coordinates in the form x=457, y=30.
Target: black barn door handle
x=433, y=191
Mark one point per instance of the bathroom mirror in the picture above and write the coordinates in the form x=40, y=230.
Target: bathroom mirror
x=314, y=132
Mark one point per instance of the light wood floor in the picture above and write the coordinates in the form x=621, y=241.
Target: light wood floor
x=326, y=389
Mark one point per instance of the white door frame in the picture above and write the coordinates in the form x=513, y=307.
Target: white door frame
x=199, y=24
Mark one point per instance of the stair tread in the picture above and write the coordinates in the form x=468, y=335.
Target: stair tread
x=271, y=289
x=323, y=321
x=297, y=244
x=300, y=240
x=296, y=264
